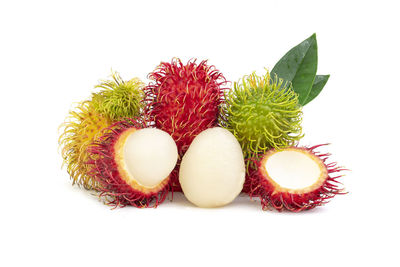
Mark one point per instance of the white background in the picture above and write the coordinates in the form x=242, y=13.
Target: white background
x=53, y=53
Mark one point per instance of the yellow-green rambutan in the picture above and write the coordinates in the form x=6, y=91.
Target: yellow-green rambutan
x=263, y=113
x=119, y=99
x=83, y=125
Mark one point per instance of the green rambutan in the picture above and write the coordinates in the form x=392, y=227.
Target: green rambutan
x=262, y=113
x=119, y=99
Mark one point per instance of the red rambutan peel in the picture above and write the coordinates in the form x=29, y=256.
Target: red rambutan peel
x=184, y=100
x=111, y=168
x=294, y=179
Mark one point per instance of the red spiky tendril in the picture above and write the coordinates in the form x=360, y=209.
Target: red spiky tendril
x=184, y=100
x=258, y=186
x=113, y=189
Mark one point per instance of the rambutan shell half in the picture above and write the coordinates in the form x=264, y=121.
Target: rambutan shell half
x=294, y=179
x=119, y=184
x=128, y=169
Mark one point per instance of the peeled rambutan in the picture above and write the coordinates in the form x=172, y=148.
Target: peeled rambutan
x=212, y=171
x=294, y=179
x=132, y=164
x=80, y=129
x=184, y=100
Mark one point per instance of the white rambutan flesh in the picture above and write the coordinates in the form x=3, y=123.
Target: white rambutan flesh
x=212, y=171
x=132, y=164
x=295, y=169
x=294, y=178
x=149, y=156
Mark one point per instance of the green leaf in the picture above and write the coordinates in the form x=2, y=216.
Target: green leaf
x=319, y=83
x=299, y=66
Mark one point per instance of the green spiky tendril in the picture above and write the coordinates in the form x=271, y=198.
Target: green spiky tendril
x=262, y=113
x=119, y=99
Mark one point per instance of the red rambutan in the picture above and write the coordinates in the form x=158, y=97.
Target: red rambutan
x=294, y=179
x=184, y=100
x=132, y=164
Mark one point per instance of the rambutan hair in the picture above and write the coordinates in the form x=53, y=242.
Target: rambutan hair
x=184, y=100
x=114, y=190
x=119, y=99
x=263, y=113
x=82, y=127
x=276, y=197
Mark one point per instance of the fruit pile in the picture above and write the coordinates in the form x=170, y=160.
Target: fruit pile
x=186, y=131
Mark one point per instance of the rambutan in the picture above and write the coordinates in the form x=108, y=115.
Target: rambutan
x=80, y=129
x=117, y=100
x=294, y=179
x=262, y=113
x=184, y=100
x=212, y=171
x=132, y=164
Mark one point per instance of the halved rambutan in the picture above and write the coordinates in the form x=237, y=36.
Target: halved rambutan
x=294, y=178
x=184, y=100
x=132, y=164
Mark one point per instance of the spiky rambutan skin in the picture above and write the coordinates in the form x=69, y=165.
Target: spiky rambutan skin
x=262, y=113
x=184, y=100
x=119, y=99
x=114, y=189
x=274, y=196
x=83, y=126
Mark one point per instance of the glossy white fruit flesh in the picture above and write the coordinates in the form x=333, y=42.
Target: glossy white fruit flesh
x=293, y=169
x=149, y=156
x=212, y=171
